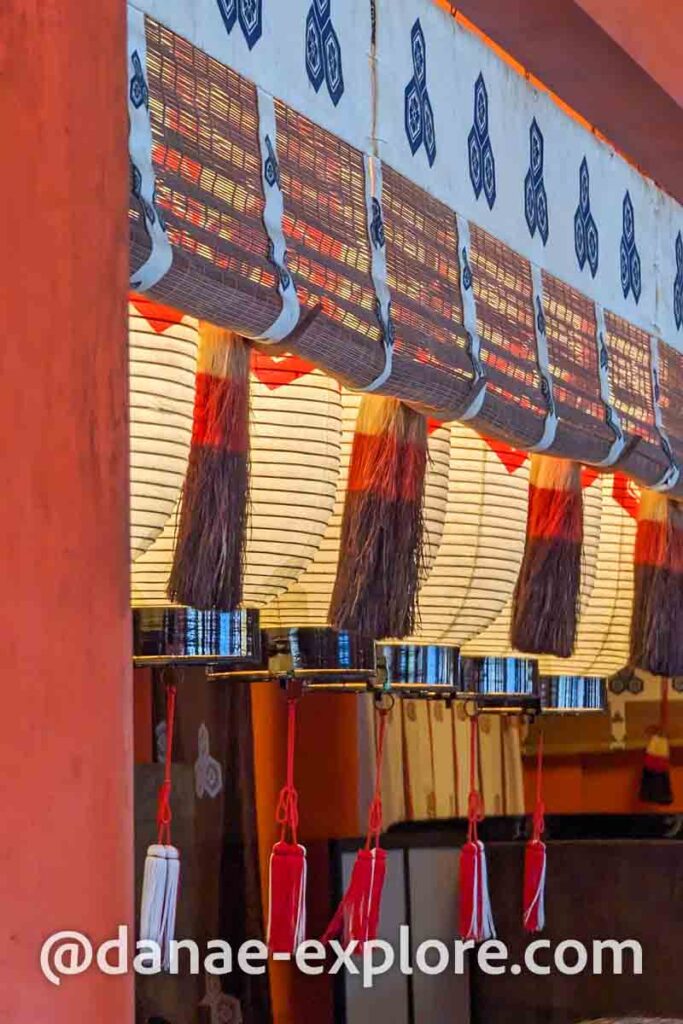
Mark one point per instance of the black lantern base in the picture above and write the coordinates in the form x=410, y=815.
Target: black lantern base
x=186, y=636
x=573, y=695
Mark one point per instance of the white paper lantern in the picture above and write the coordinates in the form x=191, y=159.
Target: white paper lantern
x=495, y=639
x=602, y=645
x=162, y=347
x=475, y=568
x=307, y=602
x=295, y=451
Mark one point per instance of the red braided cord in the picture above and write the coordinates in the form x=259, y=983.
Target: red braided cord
x=475, y=804
x=287, y=813
x=375, y=815
x=539, y=810
x=164, y=815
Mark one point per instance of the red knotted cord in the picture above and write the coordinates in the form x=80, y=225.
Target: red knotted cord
x=287, y=813
x=164, y=815
x=539, y=809
x=375, y=815
x=475, y=804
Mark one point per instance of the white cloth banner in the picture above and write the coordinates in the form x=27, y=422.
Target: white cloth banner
x=448, y=113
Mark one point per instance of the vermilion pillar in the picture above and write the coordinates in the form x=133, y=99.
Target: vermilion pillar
x=65, y=699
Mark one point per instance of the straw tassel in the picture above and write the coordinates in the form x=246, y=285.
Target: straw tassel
x=546, y=598
x=287, y=882
x=535, y=858
x=657, y=619
x=381, y=556
x=476, y=917
x=357, y=916
x=162, y=863
x=209, y=553
x=655, y=781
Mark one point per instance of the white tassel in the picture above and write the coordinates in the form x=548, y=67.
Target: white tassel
x=153, y=889
x=301, y=916
x=170, y=904
x=488, y=928
x=160, y=898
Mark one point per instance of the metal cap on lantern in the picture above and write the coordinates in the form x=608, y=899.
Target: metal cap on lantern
x=567, y=694
x=503, y=683
x=414, y=668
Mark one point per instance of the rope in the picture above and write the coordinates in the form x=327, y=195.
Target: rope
x=475, y=804
x=287, y=813
x=375, y=816
x=164, y=815
x=539, y=810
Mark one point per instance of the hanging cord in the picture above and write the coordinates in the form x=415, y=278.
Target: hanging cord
x=375, y=816
x=164, y=816
x=287, y=813
x=475, y=804
x=539, y=809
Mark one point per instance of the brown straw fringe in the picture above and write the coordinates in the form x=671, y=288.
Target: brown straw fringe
x=381, y=551
x=546, y=598
x=209, y=554
x=657, y=619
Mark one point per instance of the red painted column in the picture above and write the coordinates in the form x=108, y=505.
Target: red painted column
x=66, y=699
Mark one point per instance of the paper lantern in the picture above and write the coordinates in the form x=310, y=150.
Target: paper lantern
x=307, y=602
x=162, y=347
x=295, y=451
x=602, y=645
x=495, y=639
x=475, y=568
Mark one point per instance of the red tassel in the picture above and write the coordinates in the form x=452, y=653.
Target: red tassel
x=287, y=885
x=381, y=557
x=476, y=917
x=287, y=911
x=357, y=916
x=209, y=553
x=535, y=859
x=657, y=620
x=546, y=598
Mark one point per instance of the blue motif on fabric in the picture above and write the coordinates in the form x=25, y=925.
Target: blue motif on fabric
x=604, y=354
x=631, y=280
x=535, y=198
x=139, y=93
x=466, y=271
x=678, y=283
x=377, y=225
x=482, y=163
x=540, y=317
x=387, y=328
x=250, y=16
x=586, y=240
x=419, y=116
x=323, y=52
x=150, y=211
x=271, y=176
x=271, y=169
